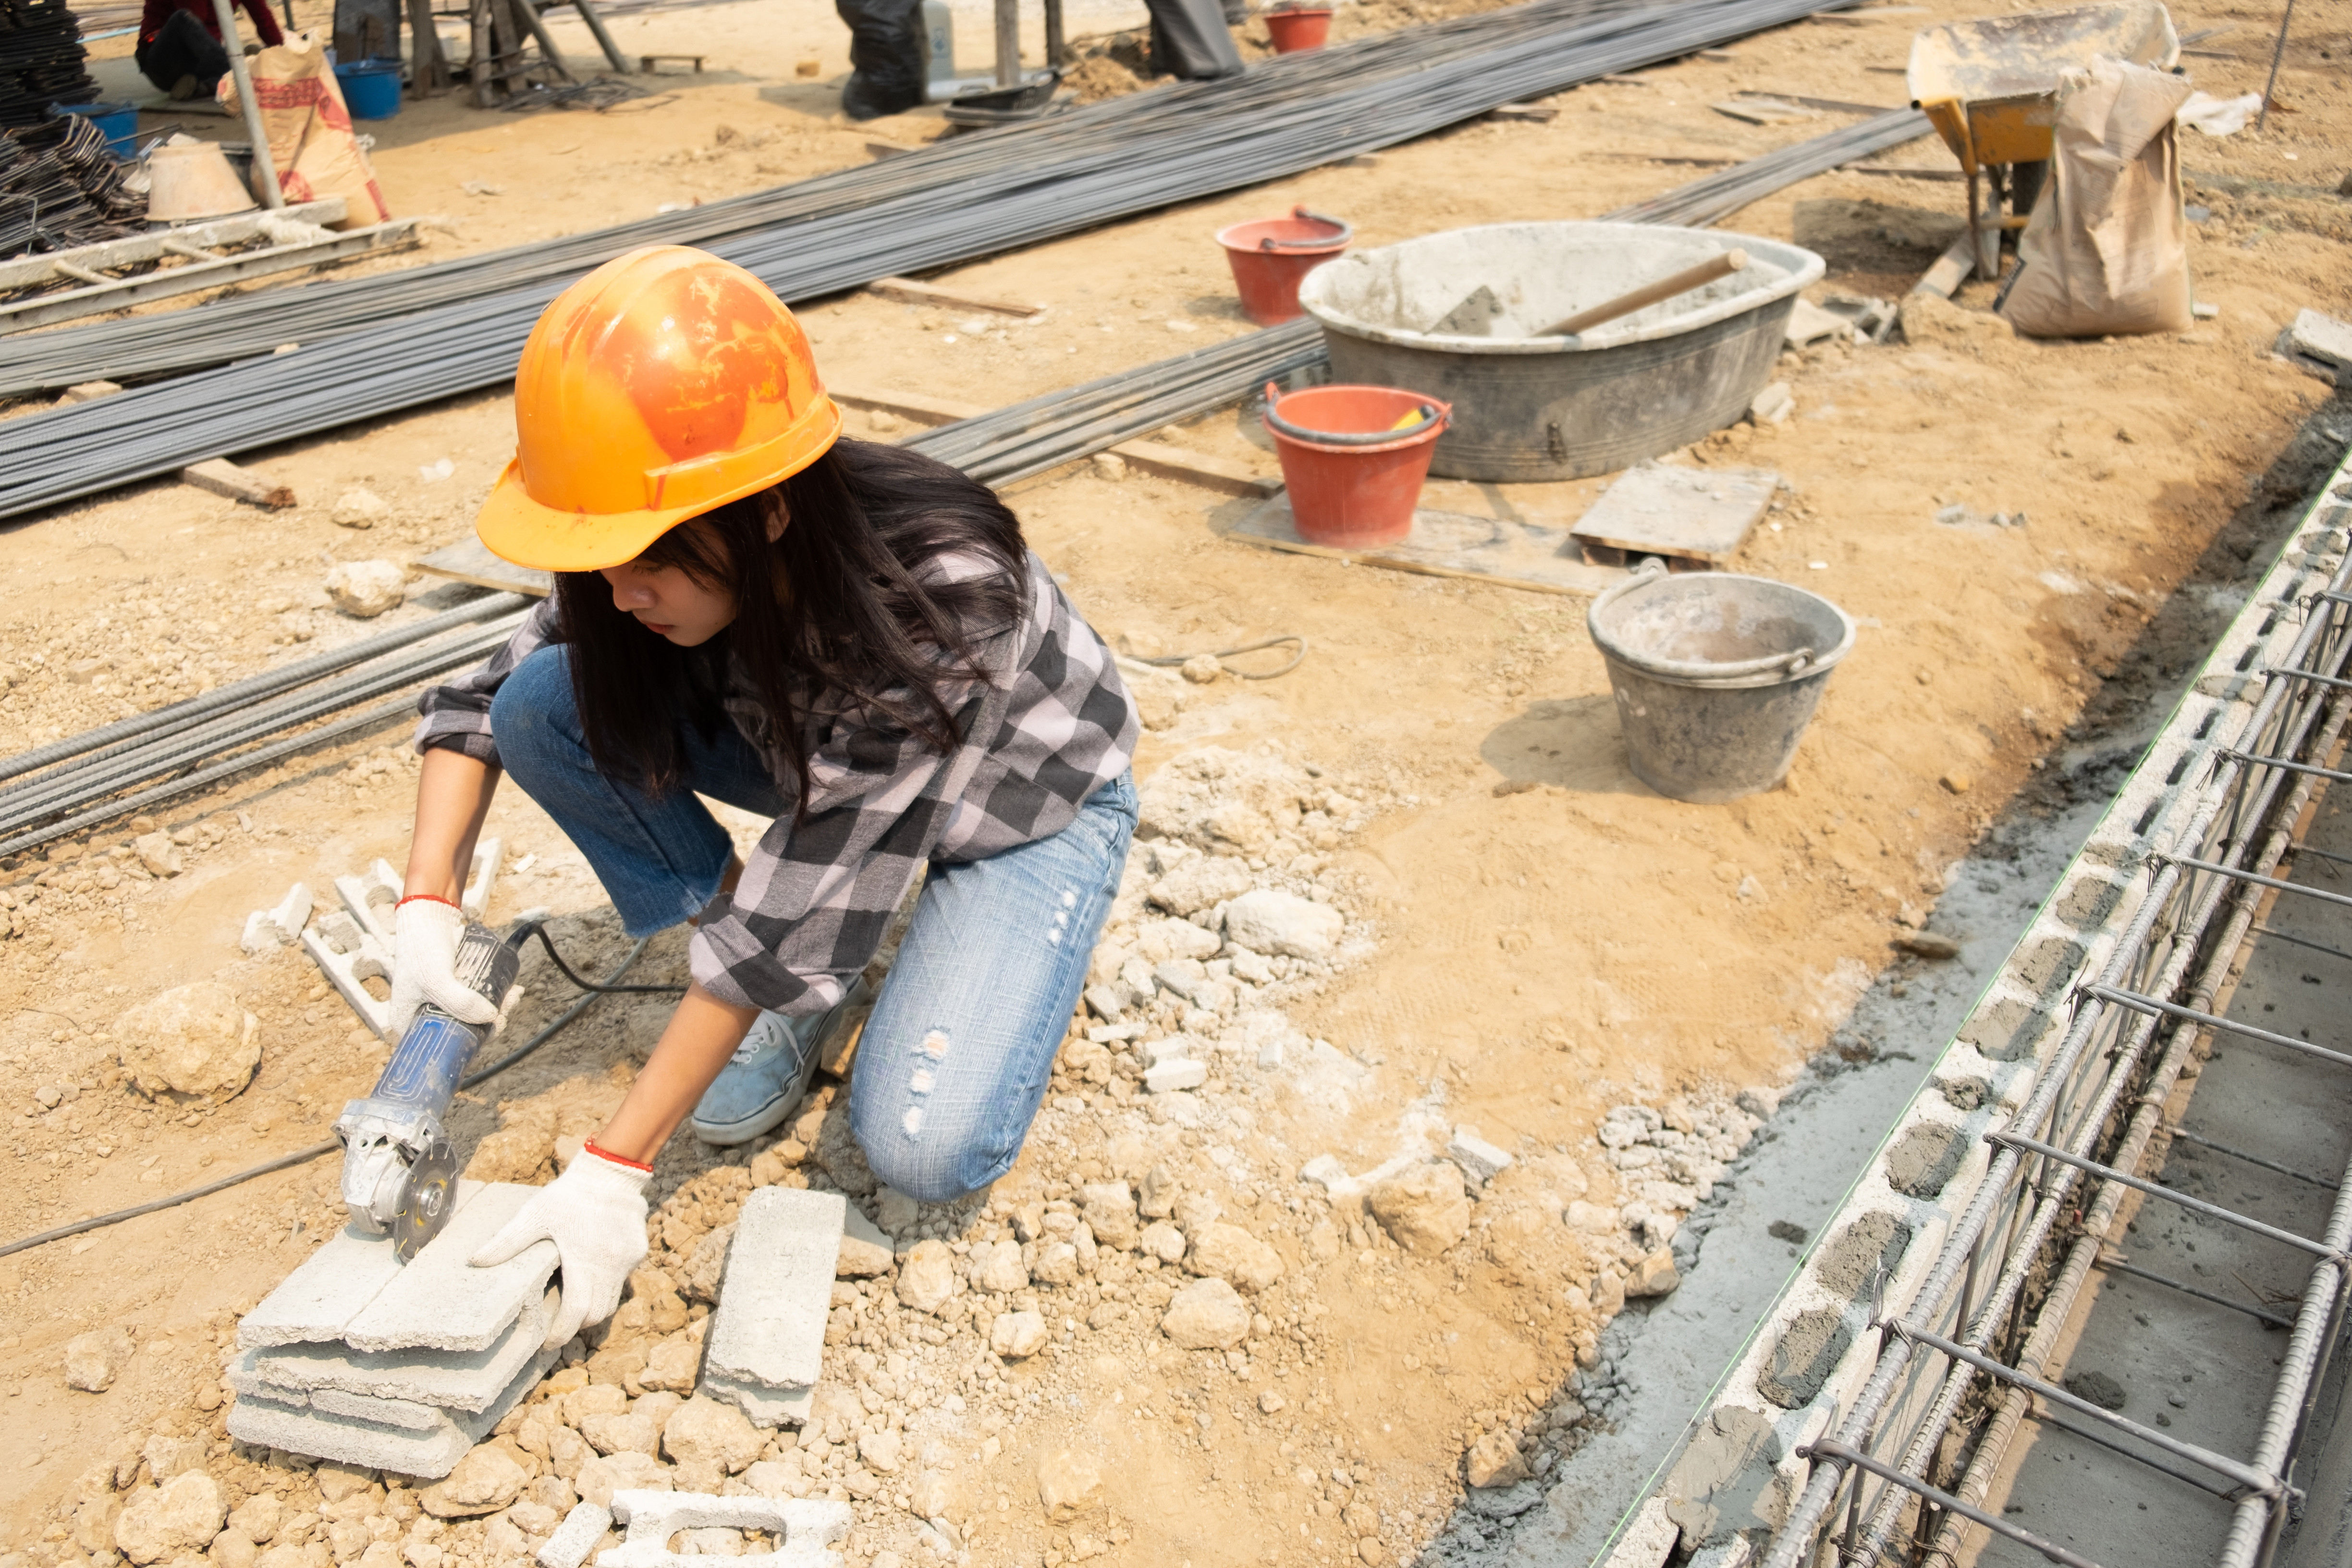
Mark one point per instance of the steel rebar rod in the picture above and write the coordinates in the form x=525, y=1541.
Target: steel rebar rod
x=2117, y=1266
x=1840, y=1453
x=2141, y=1003
x=2181, y=1135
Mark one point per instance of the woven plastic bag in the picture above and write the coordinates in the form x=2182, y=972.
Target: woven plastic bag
x=2106, y=250
x=309, y=130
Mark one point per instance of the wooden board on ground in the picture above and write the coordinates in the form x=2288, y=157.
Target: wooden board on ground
x=908, y=291
x=1688, y=515
x=467, y=561
x=1452, y=545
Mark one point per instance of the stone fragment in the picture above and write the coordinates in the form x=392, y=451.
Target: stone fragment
x=94, y=1360
x=1655, y=1275
x=894, y=1211
x=1423, y=1208
x=1596, y=1218
x=1017, y=1335
x=1773, y=404
x=1164, y=1241
x=1208, y=1314
x=359, y=507
x=267, y=930
x=672, y=1366
x=1060, y=1263
x=865, y=1252
x=706, y=1266
x=159, y=1522
x=996, y=1268
x=1229, y=1252
x=1069, y=1484
x=366, y=589
x=576, y=1537
x=195, y=1040
x=1480, y=1160
x=158, y=854
x=485, y=1480
x=883, y=1451
x=602, y=1479
x=1170, y=1077
x=766, y=1347
x=933, y=1496
x=1494, y=1462
x=1200, y=883
x=927, y=1276
x=1267, y=919
x=1108, y=1210
x=1932, y=944
x=1201, y=668
x=708, y=1439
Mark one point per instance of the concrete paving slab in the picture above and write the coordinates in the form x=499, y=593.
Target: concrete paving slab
x=459, y=1380
x=767, y=1333
x=442, y=1302
x=375, y=1444
x=330, y=1287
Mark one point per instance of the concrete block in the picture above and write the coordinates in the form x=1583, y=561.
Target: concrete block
x=407, y=1415
x=807, y=1527
x=1480, y=1160
x=441, y=1302
x=576, y=1537
x=765, y=1404
x=1171, y=1076
x=278, y=927
x=330, y=1289
x=369, y=899
x=482, y=877
x=375, y=1444
x=346, y=954
x=768, y=1332
x=457, y=1380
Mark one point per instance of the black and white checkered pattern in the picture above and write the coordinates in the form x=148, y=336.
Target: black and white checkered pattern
x=1051, y=725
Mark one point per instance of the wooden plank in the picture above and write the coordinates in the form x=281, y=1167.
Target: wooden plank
x=468, y=561
x=1200, y=469
x=1762, y=110
x=223, y=478
x=1535, y=113
x=1451, y=544
x=1688, y=514
x=915, y=405
x=906, y=290
x=1951, y=270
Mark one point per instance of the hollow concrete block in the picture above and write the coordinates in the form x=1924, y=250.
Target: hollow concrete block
x=808, y=1527
x=576, y=1537
x=766, y=1345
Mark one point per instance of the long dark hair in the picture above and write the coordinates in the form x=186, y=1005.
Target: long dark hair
x=846, y=625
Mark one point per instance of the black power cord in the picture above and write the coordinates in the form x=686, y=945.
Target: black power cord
x=303, y=1156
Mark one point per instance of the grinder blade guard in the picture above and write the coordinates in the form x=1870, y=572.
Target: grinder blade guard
x=400, y=1174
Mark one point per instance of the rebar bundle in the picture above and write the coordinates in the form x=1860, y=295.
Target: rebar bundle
x=40, y=60
x=60, y=187
x=996, y=191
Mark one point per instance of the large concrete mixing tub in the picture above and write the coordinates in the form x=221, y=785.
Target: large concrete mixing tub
x=1561, y=408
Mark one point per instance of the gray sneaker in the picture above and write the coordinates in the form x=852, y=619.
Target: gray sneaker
x=764, y=1082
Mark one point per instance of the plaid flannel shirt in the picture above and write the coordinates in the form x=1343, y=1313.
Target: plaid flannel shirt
x=1049, y=725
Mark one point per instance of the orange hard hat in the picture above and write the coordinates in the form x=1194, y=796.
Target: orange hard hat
x=663, y=384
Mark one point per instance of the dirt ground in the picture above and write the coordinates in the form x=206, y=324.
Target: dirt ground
x=1534, y=938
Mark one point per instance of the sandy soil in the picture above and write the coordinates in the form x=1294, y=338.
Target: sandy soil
x=1546, y=939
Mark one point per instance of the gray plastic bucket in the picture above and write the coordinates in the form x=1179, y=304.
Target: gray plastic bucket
x=1552, y=407
x=1716, y=677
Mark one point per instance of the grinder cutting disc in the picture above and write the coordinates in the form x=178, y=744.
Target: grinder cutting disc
x=427, y=1198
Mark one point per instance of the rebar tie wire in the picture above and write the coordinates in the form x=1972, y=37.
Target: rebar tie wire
x=303, y=1156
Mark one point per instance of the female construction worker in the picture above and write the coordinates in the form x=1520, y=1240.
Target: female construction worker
x=848, y=638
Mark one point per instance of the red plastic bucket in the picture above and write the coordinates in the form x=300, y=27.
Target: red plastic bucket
x=1299, y=28
x=1354, y=475
x=1270, y=257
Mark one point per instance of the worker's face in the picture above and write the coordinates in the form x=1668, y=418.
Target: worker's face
x=673, y=602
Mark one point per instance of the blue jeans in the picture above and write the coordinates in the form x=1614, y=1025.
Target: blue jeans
x=955, y=1058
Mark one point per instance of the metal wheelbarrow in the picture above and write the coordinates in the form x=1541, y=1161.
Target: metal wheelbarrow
x=1989, y=87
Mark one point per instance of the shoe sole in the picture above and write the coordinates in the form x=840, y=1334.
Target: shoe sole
x=778, y=1111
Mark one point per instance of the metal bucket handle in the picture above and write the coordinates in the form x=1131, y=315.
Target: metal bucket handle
x=1794, y=663
x=1346, y=235
x=1431, y=412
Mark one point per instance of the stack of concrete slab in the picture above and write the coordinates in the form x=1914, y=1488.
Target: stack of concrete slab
x=766, y=1344
x=359, y=1359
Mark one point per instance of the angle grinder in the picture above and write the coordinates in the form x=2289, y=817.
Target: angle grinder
x=400, y=1174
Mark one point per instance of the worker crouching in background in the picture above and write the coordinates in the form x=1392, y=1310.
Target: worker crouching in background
x=846, y=637
x=180, y=47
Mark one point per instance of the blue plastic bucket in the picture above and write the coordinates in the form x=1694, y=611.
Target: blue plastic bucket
x=117, y=123
x=371, y=88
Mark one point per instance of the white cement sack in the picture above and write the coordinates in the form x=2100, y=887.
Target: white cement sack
x=2106, y=248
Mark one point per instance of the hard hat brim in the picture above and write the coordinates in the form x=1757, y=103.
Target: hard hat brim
x=516, y=528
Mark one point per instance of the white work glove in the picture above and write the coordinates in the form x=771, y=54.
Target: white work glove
x=596, y=1214
x=426, y=932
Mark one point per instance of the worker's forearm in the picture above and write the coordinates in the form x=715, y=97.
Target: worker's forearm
x=453, y=797
x=702, y=1034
